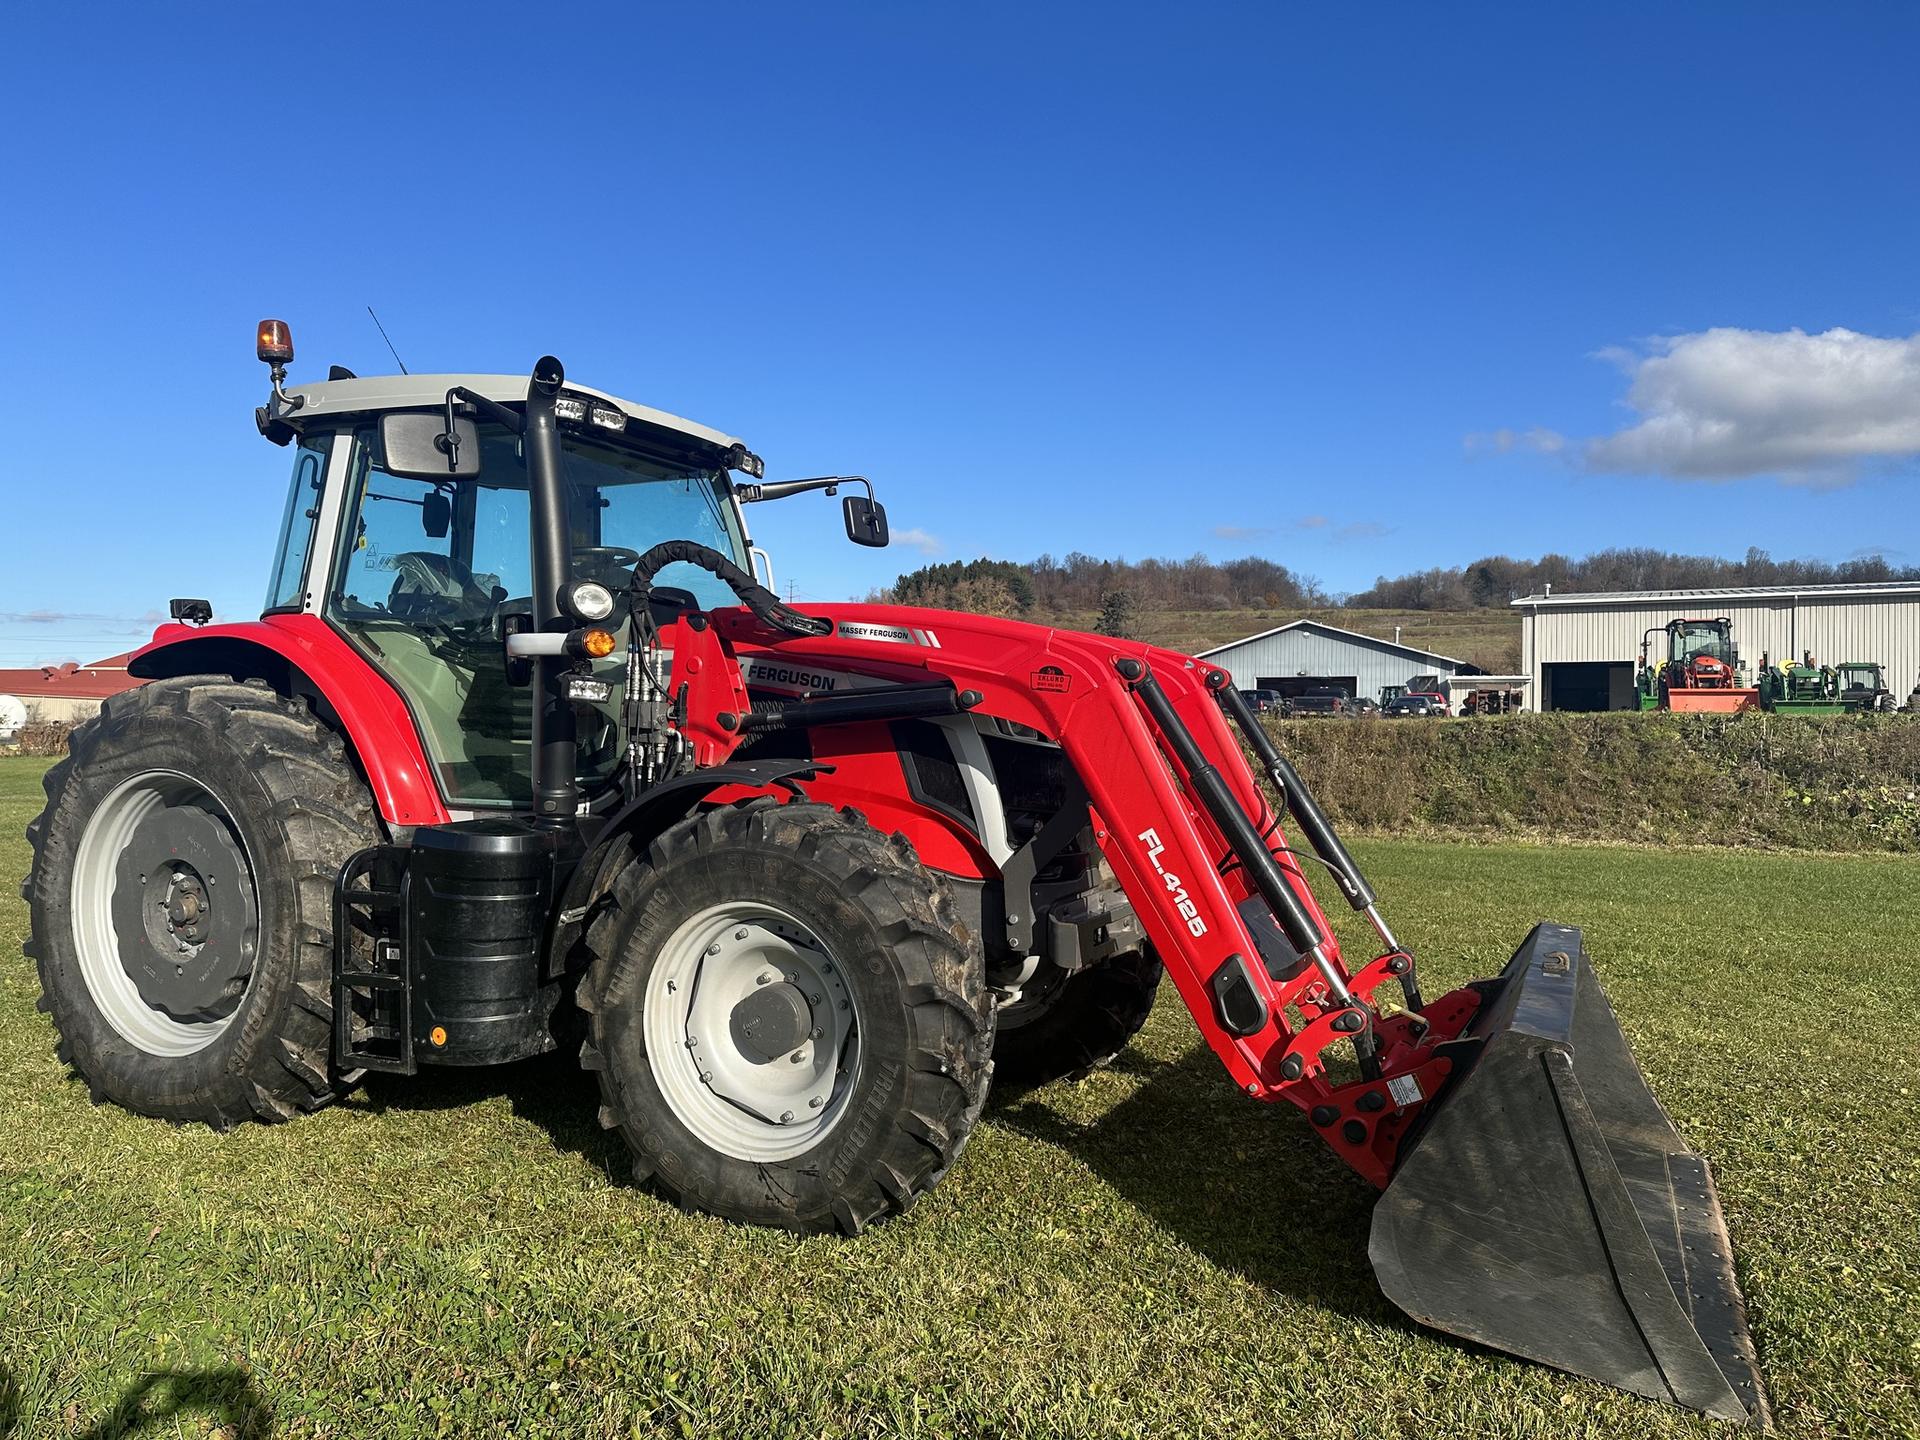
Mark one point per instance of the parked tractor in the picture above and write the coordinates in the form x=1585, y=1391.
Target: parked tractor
x=522, y=755
x=1861, y=685
x=1807, y=688
x=1700, y=671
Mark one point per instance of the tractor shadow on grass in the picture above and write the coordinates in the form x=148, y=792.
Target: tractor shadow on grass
x=550, y=1091
x=1247, y=1185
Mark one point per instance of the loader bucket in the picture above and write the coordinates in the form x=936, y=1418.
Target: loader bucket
x=1549, y=1208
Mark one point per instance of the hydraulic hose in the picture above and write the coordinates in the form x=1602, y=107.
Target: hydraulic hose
x=751, y=593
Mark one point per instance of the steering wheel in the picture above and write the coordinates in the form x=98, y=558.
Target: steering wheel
x=605, y=562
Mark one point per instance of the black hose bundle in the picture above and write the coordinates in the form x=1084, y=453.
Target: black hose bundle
x=752, y=594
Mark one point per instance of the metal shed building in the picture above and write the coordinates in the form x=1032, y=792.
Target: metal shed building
x=1303, y=655
x=1580, y=650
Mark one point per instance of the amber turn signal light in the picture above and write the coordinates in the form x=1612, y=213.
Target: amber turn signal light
x=597, y=643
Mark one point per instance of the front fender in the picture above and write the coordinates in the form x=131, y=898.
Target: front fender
x=303, y=655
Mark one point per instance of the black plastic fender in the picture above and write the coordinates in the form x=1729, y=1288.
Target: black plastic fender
x=638, y=821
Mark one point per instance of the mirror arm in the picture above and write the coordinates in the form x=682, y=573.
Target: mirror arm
x=780, y=489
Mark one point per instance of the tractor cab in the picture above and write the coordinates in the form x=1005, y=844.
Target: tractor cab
x=1862, y=685
x=421, y=559
x=1701, y=647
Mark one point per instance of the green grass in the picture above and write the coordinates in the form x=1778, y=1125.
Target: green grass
x=1146, y=1253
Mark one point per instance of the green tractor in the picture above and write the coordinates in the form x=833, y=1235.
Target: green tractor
x=1807, y=688
x=1862, y=685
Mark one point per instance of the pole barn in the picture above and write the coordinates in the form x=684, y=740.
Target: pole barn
x=1579, y=651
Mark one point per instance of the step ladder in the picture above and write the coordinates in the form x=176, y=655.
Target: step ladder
x=372, y=1002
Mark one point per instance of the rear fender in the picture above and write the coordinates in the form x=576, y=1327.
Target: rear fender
x=302, y=655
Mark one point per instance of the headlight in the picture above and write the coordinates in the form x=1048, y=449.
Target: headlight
x=587, y=600
x=570, y=407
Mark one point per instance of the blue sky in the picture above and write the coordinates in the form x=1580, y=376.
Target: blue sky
x=1360, y=288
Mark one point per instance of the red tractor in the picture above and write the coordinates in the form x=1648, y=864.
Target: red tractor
x=1701, y=672
x=522, y=755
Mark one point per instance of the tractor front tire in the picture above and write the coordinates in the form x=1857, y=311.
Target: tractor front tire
x=1080, y=1023
x=788, y=1019
x=198, y=820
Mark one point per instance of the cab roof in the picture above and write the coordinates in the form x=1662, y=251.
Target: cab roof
x=419, y=392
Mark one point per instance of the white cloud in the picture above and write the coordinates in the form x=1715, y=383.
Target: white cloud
x=1726, y=402
x=1242, y=532
x=1312, y=522
x=917, y=539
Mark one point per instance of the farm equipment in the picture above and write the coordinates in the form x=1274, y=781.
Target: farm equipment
x=1862, y=685
x=1701, y=671
x=1803, y=689
x=523, y=756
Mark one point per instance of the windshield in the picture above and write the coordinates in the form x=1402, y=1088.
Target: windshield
x=1700, y=639
x=427, y=568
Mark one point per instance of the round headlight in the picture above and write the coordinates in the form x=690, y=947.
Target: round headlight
x=588, y=600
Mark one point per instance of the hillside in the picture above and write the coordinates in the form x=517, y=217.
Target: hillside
x=1489, y=637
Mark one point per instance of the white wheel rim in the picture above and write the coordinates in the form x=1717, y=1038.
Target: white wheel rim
x=732, y=1098
x=96, y=939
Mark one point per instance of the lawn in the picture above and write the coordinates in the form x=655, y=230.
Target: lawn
x=1145, y=1253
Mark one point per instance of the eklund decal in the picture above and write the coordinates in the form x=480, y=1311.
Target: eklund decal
x=1053, y=679
x=1176, y=887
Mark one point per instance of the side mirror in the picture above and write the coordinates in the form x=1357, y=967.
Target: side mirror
x=866, y=520
x=436, y=515
x=416, y=445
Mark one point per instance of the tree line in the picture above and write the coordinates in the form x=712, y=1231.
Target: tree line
x=1118, y=590
x=1497, y=579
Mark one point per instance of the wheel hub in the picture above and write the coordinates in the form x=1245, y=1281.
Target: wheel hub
x=771, y=1022
x=184, y=913
x=753, y=1031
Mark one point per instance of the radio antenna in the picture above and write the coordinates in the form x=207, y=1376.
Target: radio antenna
x=383, y=335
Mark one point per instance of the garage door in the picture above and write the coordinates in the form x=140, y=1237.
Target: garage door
x=1588, y=685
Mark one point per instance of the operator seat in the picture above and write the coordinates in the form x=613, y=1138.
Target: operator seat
x=428, y=586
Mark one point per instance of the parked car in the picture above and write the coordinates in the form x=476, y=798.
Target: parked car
x=1415, y=705
x=1265, y=702
x=1324, y=701
x=1364, y=706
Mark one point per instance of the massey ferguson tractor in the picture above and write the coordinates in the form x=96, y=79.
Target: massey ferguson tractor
x=522, y=755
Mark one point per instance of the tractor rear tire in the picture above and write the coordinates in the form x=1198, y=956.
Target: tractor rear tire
x=1081, y=1024
x=844, y=1047
x=250, y=787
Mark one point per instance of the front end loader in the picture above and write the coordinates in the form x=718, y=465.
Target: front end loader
x=525, y=755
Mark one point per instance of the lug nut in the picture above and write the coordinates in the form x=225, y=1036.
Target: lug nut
x=798, y=1056
x=786, y=1117
x=714, y=948
x=816, y=1102
x=741, y=933
x=765, y=977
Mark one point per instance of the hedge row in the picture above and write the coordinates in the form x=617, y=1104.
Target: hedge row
x=1832, y=783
